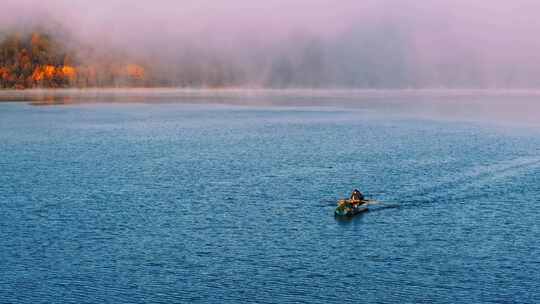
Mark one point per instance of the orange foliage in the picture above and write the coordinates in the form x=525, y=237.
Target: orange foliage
x=36, y=60
x=38, y=74
x=135, y=71
x=68, y=71
x=4, y=73
x=49, y=71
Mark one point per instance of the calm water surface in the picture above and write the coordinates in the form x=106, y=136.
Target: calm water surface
x=153, y=203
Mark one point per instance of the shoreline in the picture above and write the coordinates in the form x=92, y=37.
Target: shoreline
x=163, y=92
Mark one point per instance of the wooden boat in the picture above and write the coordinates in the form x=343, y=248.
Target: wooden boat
x=350, y=207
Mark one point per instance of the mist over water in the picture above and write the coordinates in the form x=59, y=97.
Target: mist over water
x=300, y=43
x=497, y=108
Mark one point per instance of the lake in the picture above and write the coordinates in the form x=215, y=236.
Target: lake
x=232, y=200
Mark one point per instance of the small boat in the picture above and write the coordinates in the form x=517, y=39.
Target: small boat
x=350, y=208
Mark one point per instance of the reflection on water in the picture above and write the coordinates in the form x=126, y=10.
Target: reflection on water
x=347, y=220
x=50, y=100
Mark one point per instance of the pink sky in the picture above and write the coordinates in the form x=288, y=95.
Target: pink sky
x=493, y=21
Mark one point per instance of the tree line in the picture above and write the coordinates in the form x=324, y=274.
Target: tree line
x=37, y=60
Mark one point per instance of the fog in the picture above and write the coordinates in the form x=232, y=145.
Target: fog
x=304, y=43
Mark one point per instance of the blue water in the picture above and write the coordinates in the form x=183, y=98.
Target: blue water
x=157, y=203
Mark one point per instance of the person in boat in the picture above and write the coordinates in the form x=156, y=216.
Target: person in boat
x=357, y=196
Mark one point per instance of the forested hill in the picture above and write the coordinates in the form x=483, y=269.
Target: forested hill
x=37, y=60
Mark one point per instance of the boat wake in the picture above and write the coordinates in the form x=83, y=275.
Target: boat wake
x=460, y=186
x=456, y=187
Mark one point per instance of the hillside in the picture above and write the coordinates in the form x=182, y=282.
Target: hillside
x=37, y=60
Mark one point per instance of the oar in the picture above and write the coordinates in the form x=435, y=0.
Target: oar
x=373, y=202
